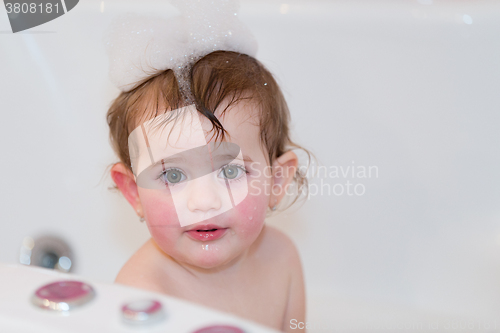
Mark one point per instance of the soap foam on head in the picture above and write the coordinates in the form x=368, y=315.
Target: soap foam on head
x=139, y=45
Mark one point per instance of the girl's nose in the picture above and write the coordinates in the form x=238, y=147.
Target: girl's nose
x=204, y=195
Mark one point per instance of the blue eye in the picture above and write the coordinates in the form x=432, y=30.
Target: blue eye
x=172, y=176
x=232, y=171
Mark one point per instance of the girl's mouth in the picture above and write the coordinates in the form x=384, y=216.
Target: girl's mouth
x=206, y=234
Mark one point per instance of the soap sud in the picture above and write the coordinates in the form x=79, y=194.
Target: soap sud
x=138, y=46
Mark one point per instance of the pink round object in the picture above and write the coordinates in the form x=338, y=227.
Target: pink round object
x=142, y=312
x=63, y=295
x=148, y=307
x=220, y=329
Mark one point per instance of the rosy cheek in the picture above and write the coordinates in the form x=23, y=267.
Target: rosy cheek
x=159, y=209
x=254, y=206
x=251, y=214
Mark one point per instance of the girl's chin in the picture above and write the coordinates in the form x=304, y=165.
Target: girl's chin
x=206, y=265
x=210, y=259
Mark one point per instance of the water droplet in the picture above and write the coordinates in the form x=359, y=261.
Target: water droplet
x=250, y=217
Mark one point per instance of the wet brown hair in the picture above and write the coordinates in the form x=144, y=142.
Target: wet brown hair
x=215, y=78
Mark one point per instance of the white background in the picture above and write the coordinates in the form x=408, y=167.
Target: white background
x=411, y=87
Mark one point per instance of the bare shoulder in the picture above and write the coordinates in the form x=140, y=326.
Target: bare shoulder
x=137, y=270
x=284, y=258
x=286, y=254
x=280, y=245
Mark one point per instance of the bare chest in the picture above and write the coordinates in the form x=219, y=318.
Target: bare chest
x=258, y=296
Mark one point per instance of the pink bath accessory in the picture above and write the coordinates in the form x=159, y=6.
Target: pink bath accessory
x=63, y=295
x=142, y=312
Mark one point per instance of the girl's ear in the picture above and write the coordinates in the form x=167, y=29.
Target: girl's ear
x=284, y=169
x=124, y=180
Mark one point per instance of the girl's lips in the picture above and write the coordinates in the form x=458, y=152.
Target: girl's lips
x=206, y=235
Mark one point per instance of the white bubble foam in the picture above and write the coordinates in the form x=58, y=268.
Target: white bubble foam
x=138, y=45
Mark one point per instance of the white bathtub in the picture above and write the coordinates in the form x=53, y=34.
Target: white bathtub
x=103, y=311
x=408, y=88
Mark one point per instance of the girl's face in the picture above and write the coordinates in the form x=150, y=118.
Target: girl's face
x=235, y=228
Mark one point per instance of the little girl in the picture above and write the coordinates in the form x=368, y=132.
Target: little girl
x=227, y=259
x=203, y=167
